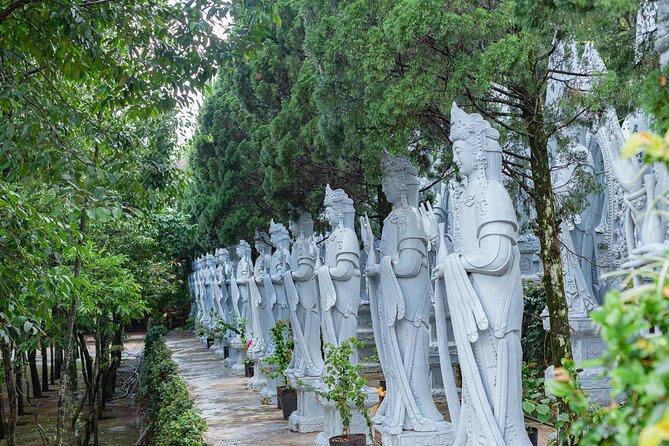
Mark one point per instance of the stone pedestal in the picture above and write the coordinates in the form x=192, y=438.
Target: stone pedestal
x=258, y=381
x=218, y=348
x=443, y=437
x=237, y=357
x=309, y=415
x=332, y=421
x=586, y=345
x=268, y=392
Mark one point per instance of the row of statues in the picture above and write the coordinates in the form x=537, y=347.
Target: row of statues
x=473, y=279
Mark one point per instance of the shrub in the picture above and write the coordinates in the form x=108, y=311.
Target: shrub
x=170, y=411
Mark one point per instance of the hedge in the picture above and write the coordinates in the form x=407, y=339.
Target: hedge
x=170, y=413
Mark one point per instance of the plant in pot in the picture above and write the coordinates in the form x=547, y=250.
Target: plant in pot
x=278, y=363
x=342, y=384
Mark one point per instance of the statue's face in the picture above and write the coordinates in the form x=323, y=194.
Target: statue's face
x=331, y=216
x=464, y=157
x=239, y=250
x=389, y=189
x=295, y=228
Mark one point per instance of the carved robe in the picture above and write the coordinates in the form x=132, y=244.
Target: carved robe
x=340, y=295
x=486, y=310
x=404, y=309
x=277, y=267
x=241, y=295
x=307, y=359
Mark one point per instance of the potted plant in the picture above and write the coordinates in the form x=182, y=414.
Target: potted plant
x=248, y=368
x=278, y=363
x=343, y=385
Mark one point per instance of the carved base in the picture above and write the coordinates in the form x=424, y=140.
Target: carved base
x=218, y=348
x=236, y=359
x=258, y=381
x=309, y=416
x=443, y=437
x=332, y=420
x=268, y=392
x=586, y=345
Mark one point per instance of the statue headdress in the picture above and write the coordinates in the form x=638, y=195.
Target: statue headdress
x=478, y=133
x=304, y=223
x=262, y=237
x=338, y=200
x=463, y=125
x=244, y=247
x=278, y=230
x=399, y=169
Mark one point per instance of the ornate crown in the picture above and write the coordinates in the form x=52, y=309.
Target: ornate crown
x=261, y=236
x=463, y=124
x=337, y=199
x=222, y=252
x=399, y=168
x=278, y=230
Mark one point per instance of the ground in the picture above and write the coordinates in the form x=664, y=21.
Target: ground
x=234, y=415
x=120, y=424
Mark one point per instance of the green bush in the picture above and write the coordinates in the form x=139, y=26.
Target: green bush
x=170, y=412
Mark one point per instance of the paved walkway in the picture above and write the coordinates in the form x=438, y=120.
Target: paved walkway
x=234, y=415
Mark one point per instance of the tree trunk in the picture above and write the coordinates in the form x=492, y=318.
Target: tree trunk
x=117, y=346
x=2, y=416
x=67, y=398
x=10, y=431
x=45, y=367
x=34, y=374
x=547, y=228
x=18, y=370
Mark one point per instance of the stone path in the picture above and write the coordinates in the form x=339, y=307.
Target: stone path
x=234, y=415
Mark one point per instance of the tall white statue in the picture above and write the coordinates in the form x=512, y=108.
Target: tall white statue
x=339, y=289
x=399, y=297
x=278, y=266
x=261, y=303
x=209, y=298
x=239, y=286
x=239, y=307
x=307, y=359
x=219, y=288
x=579, y=293
x=483, y=290
x=646, y=201
x=339, y=277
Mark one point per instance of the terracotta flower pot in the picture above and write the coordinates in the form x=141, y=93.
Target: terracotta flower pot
x=349, y=440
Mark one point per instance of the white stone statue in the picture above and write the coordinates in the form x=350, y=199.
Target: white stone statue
x=220, y=290
x=261, y=303
x=307, y=359
x=306, y=364
x=239, y=285
x=339, y=293
x=645, y=220
x=339, y=277
x=578, y=292
x=400, y=304
x=209, y=298
x=239, y=297
x=278, y=266
x=483, y=290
